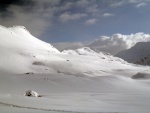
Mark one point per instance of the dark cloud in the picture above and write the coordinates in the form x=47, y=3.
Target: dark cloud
x=28, y=13
x=4, y=4
x=35, y=15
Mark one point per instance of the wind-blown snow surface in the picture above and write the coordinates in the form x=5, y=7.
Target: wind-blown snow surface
x=70, y=82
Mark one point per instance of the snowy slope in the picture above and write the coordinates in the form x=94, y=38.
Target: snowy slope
x=86, y=51
x=138, y=54
x=73, y=81
x=18, y=47
x=81, y=51
x=19, y=38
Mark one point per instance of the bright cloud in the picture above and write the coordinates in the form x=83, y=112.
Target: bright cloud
x=118, y=42
x=68, y=16
x=138, y=1
x=108, y=14
x=141, y=5
x=117, y=3
x=133, y=1
x=91, y=21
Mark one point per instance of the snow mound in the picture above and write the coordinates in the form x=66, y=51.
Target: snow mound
x=138, y=54
x=31, y=93
x=141, y=76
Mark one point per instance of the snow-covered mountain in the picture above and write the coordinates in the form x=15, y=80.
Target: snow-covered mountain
x=20, y=38
x=80, y=51
x=72, y=81
x=19, y=47
x=138, y=54
x=86, y=51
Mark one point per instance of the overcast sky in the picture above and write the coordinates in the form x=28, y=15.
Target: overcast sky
x=76, y=20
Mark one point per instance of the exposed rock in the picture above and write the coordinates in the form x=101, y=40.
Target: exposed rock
x=141, y=76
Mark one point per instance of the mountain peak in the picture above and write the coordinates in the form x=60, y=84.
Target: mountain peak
x=20, y=37
x=19, y=30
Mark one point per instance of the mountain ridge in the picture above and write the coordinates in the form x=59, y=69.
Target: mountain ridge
x=138, y=54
